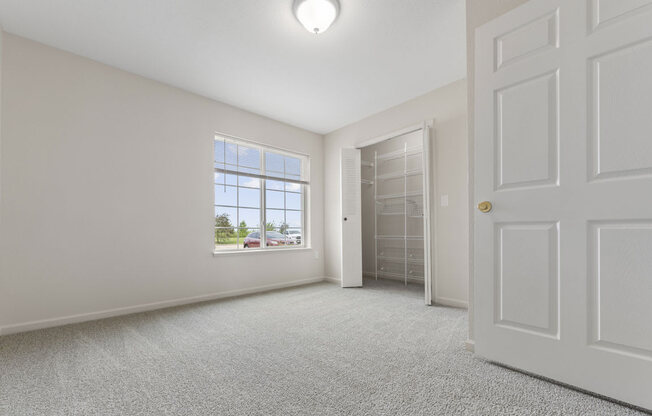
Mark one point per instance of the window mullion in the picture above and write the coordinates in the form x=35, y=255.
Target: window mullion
x=285, y=204
x=305, y=166
x=237, y=197
x=263, y=207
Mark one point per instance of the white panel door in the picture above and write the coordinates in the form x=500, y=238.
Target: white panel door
x=563, y=151
x=351, y=218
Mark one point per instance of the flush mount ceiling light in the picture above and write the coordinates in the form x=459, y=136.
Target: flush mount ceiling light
x=316, y=15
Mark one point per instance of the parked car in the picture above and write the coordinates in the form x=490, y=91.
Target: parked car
x=274, y=238
x=293, y=237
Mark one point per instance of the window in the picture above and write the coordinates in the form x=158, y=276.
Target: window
x=260, y=195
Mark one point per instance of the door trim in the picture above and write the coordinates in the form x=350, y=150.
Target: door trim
x=396, y=133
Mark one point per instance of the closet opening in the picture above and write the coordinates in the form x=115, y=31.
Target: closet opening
x=395, y=227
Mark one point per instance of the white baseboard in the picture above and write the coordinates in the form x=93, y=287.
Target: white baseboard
x=455, y=303
x=470, y=345
x=92, y=316
x=333, y=280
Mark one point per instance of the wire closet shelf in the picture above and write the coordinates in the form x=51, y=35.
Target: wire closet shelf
x=398, y=255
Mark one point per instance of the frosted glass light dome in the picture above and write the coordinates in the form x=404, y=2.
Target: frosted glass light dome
x=316, y=15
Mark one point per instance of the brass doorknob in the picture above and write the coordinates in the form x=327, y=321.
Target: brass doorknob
x=485, y=206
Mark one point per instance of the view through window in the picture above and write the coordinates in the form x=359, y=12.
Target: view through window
x=259, y=196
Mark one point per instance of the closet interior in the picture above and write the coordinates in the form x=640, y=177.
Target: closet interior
x=393, y=243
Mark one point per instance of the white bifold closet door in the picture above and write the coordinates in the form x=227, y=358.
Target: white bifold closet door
x=351, y=218
x=563, y=151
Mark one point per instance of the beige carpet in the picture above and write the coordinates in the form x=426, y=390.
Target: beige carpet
x=313, y=350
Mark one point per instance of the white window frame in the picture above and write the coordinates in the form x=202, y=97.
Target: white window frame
x=262, y=227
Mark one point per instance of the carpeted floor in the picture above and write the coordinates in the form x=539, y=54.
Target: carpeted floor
x=313, y=350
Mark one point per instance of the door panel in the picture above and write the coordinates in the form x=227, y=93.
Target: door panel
x=620, y=113
x=620, y=270
x=351, y=218
x=527, y=277
x=531, y=38
x=563, y=150
x=608, y=11
x=527, y=133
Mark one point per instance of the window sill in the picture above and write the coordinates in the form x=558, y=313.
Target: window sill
x=267, y=250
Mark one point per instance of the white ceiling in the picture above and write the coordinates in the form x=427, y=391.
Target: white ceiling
x=253, y=54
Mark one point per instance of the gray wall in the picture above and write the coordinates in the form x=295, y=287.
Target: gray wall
x=107, y=192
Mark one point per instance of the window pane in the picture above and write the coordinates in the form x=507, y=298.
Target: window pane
x=243, y=232
x=249, y=197
x=274, y=199
x=274, y=164
x=249, y=217
x=292, y=187
x=293, y=218
x=285, y=242
x=292, y=201
x=275, y=239
x=294, y=236
x=275, y=218
x=231, y=155
x=250, y=240
x=248, y=157
x=230, y=179
x=225, y=239
x=225, y=233
x=249, y=182
x=226, y=195
x=225, y=217
x=292, y=166
x=219, y=152
x=275, y=185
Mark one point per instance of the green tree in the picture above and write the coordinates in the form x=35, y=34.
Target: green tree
x=224, y=229
x=243, y=231
x=270, y=226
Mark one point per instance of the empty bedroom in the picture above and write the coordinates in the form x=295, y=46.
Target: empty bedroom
x=325, y=207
